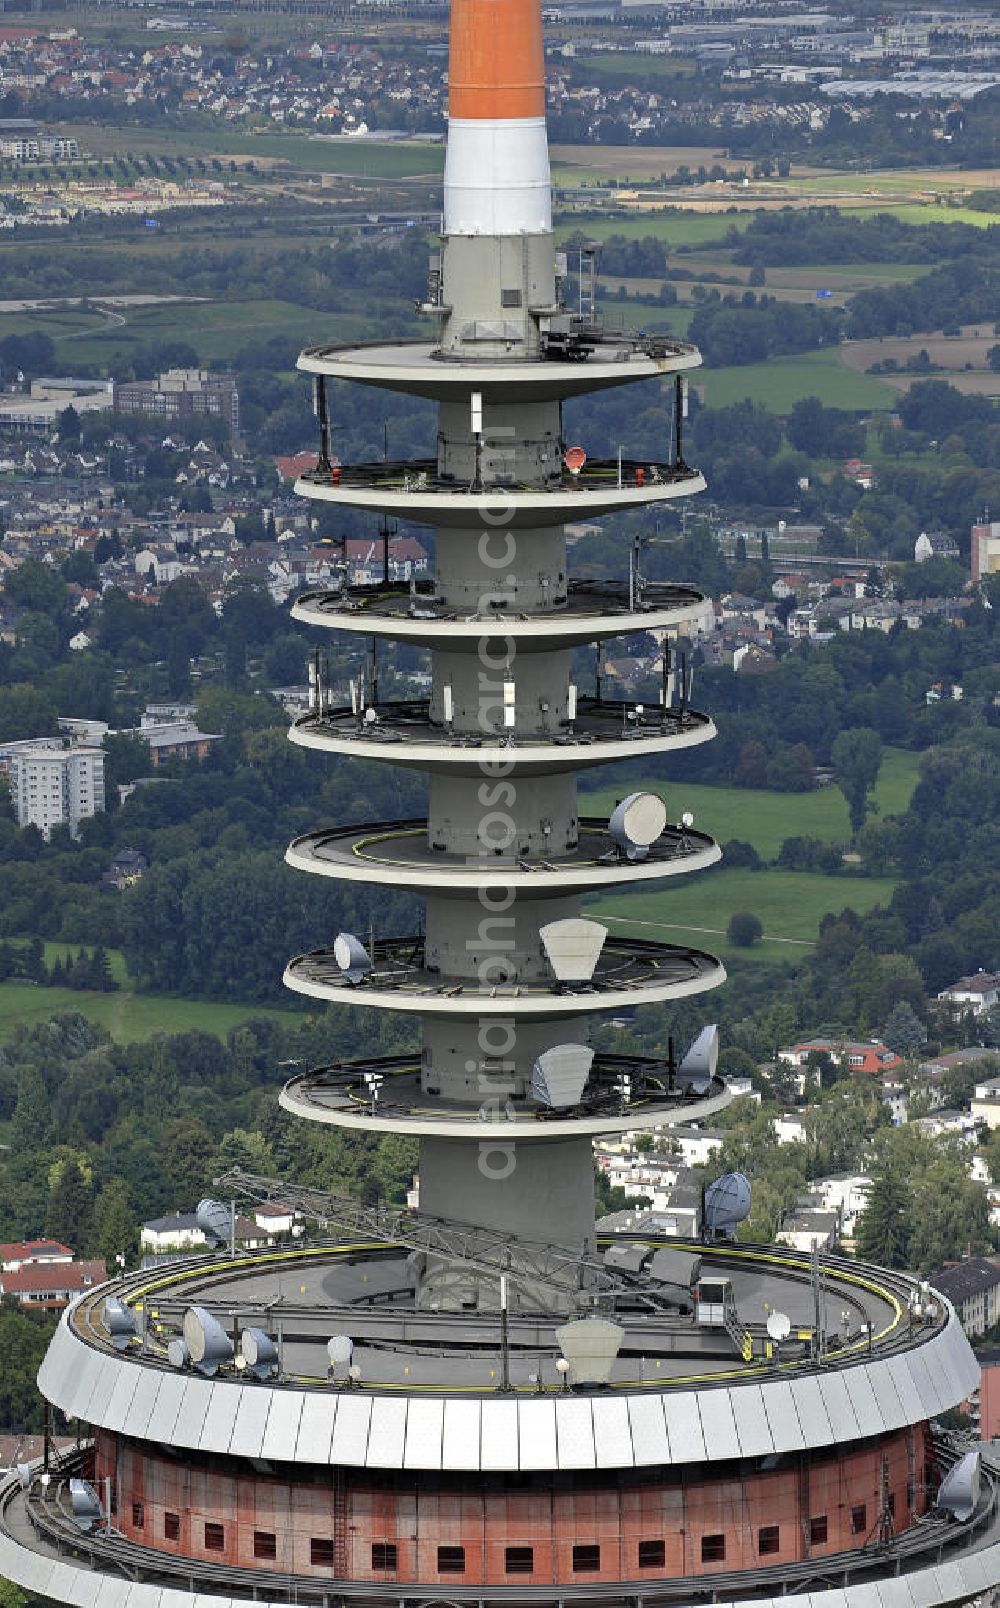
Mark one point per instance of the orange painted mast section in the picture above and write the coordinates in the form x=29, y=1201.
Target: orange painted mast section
x=496, y=62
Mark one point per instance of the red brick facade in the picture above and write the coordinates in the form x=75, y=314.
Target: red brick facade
x=444, y=1528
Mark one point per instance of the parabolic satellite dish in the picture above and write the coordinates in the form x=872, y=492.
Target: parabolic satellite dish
x=259, y=1352
x=215, y=1219
x=637, y=822
x=590, y=1346
x=959, y=1492
x=207, y=1341
x=727, y=1202
x=779, y=1325
x=351, y=956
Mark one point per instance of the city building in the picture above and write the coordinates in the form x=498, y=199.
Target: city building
x=985, y=549
x=182, y=394
x=973, y=1288
x=978, y=993
x=488, y=1401
x=32, y=1253
x=56, y=786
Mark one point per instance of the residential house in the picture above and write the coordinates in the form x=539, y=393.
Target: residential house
x=973, y=1288
x=978, y=993
x=52, y=1284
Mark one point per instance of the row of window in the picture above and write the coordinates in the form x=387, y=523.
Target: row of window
x=517, y=1560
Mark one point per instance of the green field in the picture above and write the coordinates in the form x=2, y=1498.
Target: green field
x=676, y=228
x=354, y=158
x=126, y=1016
x=218, y=329
x=766, y=819
x=789, y=903
x=780, y=382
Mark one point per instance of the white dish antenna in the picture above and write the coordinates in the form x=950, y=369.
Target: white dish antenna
x=637, y=822
x=86, y=1504
x=697, y=1068
x=351, y=956
x=779, y=1326
x=959, y=1491
x=178, y=1354
x=340, y=1350
x=121, y=1323
x=209, y=1346
x=573, y=947
x=259, y=1352
x=559, y=1075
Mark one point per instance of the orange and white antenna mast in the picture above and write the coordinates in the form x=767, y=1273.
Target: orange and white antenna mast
x=496, y=179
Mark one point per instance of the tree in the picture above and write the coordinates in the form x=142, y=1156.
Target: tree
x=31, y=1124
x=115, y=1230
x=744, y=929
x=856, y=755
x=68, y=427
x=70, y=1210
x=904, y=1032
x=885, y=1225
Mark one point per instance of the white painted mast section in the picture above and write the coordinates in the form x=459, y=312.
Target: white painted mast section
x=496, y=177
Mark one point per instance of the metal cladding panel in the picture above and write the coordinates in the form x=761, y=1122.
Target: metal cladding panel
x=499, y=1435
x=121, y=1396
x=926, y=1588
x=718, y=1425
x=247, y=1439
x=865, y=1594
x=951, y=1583
x=82, y=1590
x=141, y=1596
x=752, y=1426
x=782, y=1415
x=143, y=1402
x=195, y=1400
x=882, y=1383
x=865, y=1402
x=900, y=1584
x=88, y=1370
x=574, y=1433
x=650, y=1444
x=217, y=1429
x=687, y=1442
x=350, y=1431
x=424, y=1433
x=909, y=1396
x=982, y=1569
x=835, y=1598
x=57, y=1365
x=387, y=1435
x=961, y=1364
x=537, y=1426
x=115, y=1593
x=612, y=1433
x=167, y=1409
x=316, y=1418
x=926, y=1384
x=282, y=1431
x=460, y=1440
x=103, y=1391
x=812, y=1413
x=839, y=1410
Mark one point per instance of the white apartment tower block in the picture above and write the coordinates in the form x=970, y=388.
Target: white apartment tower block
x=57, y=787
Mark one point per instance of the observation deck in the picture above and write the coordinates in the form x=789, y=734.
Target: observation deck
x=398, y=854
x=420, y=368
x=591, y=611
x=413, y=489
x=629, y=972
x=403, y=733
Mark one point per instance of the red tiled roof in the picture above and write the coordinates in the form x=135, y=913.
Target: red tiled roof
x=31, y=1250
x=298, y=464
x=56, y=1280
